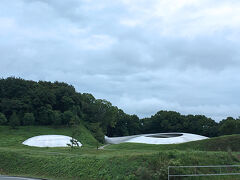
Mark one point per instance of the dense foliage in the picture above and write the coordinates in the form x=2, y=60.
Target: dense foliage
x=170, y=121
x=25, y=102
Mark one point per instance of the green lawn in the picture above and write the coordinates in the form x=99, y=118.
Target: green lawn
x=123, y=161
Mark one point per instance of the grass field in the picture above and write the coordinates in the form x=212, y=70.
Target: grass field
x=123, y=161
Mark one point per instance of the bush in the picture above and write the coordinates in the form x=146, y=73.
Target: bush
x=143, y=173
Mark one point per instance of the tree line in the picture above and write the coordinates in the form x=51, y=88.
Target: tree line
x=24, y=103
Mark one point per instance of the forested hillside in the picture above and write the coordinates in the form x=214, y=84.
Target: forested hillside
x=56, y=104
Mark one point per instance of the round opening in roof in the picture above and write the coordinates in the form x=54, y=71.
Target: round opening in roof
x=170, y=135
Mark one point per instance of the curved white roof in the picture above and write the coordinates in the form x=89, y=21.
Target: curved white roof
x=49, y=141
x=158, y=138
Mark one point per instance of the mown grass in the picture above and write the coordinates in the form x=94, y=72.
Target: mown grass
x=124, y=161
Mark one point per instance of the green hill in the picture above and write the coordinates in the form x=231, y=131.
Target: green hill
x=29, y=108
x=14, y=137
x=123, y=161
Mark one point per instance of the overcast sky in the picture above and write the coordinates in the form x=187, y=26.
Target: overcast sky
x=141, y=55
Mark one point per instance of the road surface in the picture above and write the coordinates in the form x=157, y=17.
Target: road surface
x=15, y=178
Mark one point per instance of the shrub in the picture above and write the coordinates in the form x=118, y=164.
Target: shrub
x=143, y=173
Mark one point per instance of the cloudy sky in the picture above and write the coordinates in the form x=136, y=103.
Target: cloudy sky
x=141, y=55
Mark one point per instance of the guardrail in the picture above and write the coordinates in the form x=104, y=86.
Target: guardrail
x=220, y=170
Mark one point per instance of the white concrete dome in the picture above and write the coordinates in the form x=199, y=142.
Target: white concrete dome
x=49, y=141
x=158, y=138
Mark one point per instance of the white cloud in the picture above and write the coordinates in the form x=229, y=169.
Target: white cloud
x=141, y=55
x=130, y=22
x=6, y=24
x=97, y=42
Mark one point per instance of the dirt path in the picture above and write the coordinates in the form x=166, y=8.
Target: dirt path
x=102, y=147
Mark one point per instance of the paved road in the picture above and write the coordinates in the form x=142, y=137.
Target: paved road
x=15, y=178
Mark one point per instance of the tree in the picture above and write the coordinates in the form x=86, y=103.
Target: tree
x=97, y=131
x=121, y=127
x=46, y=115
x=67, y=117
x=75, y=120
x=3, y=119
x=14, y=121
x=67, y=102
x=208, y=127
x=28, y=119
x=229, y=126
x=73, y=143
x=134, y=126
x=57, y=118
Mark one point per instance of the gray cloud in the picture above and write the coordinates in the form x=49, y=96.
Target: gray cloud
x=143, y=56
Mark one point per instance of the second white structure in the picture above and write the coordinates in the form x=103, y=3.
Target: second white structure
x=158, y=138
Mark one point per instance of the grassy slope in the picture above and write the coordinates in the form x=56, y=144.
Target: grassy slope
x=125, y=161
x=124, y=166
x=14, y=137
